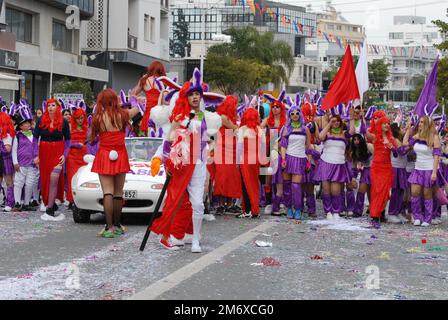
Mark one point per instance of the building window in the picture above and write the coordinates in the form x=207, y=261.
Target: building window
x=20, y=23
x=396, y=35
x=147, y=27
x=339, y=28
x=153, y=29
x=330, y=26
x=62, y=37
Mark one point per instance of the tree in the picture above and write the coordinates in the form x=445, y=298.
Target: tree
x=235, y=76
x=75, y=86
x=378, y=73
x=442, y=76
x=418, y=86
x=443, y=26
x=272, y=60
x=179, y=44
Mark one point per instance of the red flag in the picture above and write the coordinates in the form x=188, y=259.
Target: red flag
x=344, y=86
x=300, y=27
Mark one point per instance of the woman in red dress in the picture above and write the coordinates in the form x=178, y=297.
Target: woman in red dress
x=148, y=85
x=227, y=177
x=54, y=133
x=381, y=171
x=250, y=145
x=111, y=161
x=78, y=147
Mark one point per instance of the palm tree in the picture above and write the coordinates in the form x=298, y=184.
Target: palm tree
x=248, y=43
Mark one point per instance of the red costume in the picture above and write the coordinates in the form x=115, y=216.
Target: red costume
x=250, y=150
x=226, y=174
x=54, y=141
x=381, y=170
x=78, y=149
x=112, y=156
x=110, y=141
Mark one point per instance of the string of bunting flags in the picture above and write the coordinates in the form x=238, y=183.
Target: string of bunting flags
x=257, y=9
x=379, y=49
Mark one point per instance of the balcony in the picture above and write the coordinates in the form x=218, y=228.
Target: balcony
x=132, y=42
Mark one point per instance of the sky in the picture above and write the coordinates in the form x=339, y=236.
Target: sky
x=375, y=18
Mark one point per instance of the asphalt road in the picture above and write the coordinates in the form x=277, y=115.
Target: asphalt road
x=308, y=260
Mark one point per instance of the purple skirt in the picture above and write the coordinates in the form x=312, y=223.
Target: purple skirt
x=423, y=178
x=8, y=166
x=277, y=177
x=400, y=179
x=295, y=165
x=365, y=176
x=332, y=172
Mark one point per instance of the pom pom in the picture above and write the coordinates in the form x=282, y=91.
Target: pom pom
x=113, y=155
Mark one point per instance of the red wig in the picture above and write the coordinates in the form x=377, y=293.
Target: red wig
x=377, y=114
x=251, y=119
x=156, y=69
x=271, y=119
x=181, y=107
x=58, y=119
x=76, y=115
x=228, y=108
x=309, y=111
x=6, y=126
x=379, y=131
x=107, y=104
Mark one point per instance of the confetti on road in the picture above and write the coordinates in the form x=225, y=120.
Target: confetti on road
x=270, y=262
x=263, y=244
x=383, y=256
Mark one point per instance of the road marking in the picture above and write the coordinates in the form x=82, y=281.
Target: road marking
x=163, y=285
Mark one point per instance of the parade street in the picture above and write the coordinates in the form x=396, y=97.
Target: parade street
x=344, y=259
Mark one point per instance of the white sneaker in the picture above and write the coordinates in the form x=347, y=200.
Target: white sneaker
x=47, y=217
x=329, y=216
x=209, y=217
x=350, y=214
x=425, y=224
x=436, y=221
x=343, y=214
x=417, y=222
x=7, y=209
x=268, y=209
x=43, y=208
x=402, y=218
x=176, y=242
x=195, y=247
x=282, y=209
x=336, y=216
x=394, y=219
x=167, y=245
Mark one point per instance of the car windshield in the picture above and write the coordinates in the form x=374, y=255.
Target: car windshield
x=142, y=149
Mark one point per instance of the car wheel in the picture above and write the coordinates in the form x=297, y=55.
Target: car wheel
x=80, y=216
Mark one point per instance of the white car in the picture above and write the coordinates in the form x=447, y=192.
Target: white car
x=141, y=189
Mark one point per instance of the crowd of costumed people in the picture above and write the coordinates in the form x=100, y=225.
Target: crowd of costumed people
x=276, y=155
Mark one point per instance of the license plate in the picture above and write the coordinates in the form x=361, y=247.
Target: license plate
x=130, y=194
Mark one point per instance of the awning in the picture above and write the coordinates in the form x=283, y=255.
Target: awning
x=9, y=81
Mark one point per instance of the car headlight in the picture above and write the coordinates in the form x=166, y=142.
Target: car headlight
x=90, y=185
x=157, y=186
